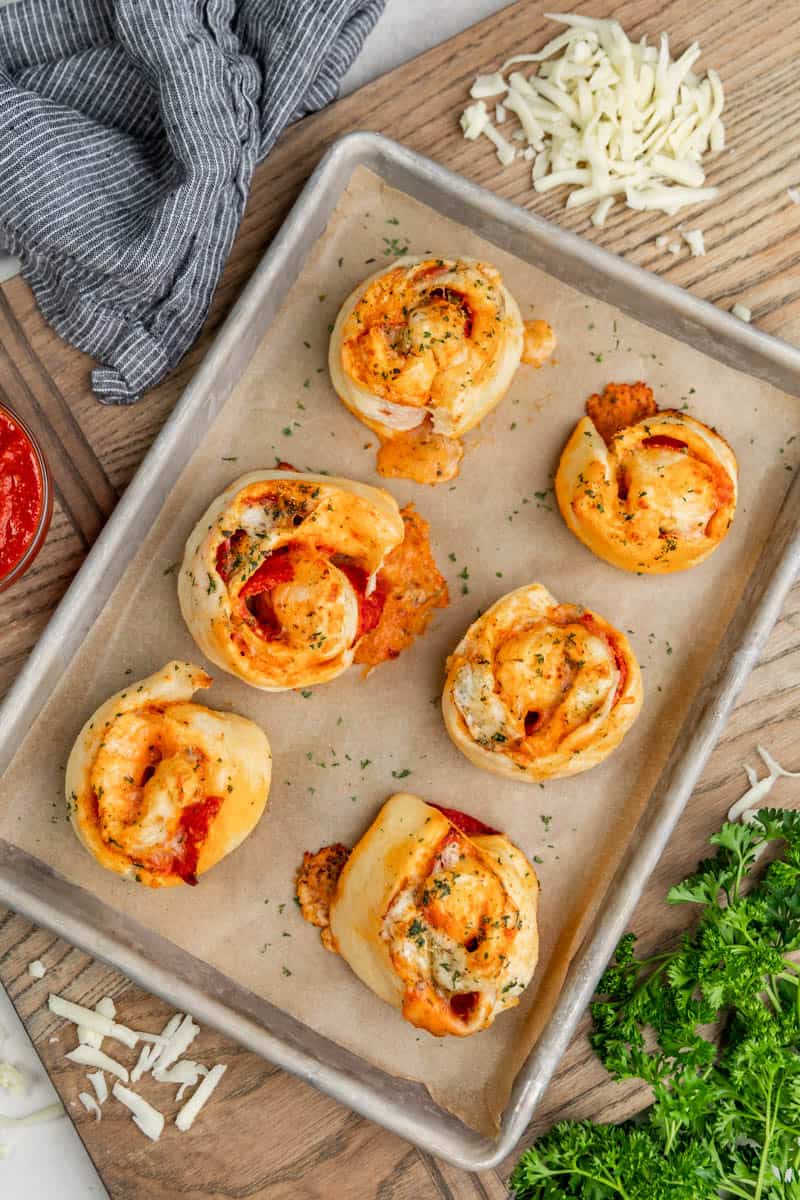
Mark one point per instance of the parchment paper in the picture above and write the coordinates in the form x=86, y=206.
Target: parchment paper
x=341, y=750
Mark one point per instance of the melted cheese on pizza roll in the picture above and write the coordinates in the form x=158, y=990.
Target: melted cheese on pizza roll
x=646, y=490
x=434, y=911
x=278, y=583
x=422, y=351
x=159, y=789
x=538, y=690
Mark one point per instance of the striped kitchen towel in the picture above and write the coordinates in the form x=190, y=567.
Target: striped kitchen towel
x=129, y=131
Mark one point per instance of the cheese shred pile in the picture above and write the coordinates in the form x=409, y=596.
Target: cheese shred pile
x=161, y=1056
x=610, y=118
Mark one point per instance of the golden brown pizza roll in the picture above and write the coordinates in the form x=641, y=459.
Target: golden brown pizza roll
x=421, y=351
x=278, y=583
x=647, y=490
x=538, y=690
x=160, y=789
x=434, y=911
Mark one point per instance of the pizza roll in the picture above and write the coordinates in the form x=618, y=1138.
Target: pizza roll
x=422, y=351
x=160, y=789
x=648, y=491
x=278, y=583
x=538, y=690
x=434, y=911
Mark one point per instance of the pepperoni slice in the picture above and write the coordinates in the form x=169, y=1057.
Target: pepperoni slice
x=470, y=826
x=275, y=569
x=370, y=608
x=660, y=441
x=195, y=823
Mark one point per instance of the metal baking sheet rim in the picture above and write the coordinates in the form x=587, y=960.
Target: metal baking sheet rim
x=33, y=889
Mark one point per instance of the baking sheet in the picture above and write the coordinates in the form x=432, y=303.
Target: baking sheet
x=499, y=523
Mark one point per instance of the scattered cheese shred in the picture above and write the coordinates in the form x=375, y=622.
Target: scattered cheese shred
x=91, y=1105
x=98, y=1081
x=161, y=1055
x=186, y=1073
x=146, y=1118
x=87, y=1056
x=794, y=195
x=177, y=1044
x=149, y=1054
x=488, y=85
x=92, y=1020
x=37, y=969
x=696, y=242
x=742, y=312
x=107, y=1008
x=614, y=118
x=746, y=808
x=192, y=1107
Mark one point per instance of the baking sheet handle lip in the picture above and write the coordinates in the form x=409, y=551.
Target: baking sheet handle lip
x=716, y=320
x=745, y=640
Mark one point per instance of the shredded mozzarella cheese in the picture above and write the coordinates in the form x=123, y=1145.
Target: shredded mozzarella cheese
x=615, y=118
x=92, y=1020
x=742, y=312
x=746, y=807
x=87, y=1056
x=107, y=1008
x=488, y=85
x=186, y=1073
x=91, y=1105
x=159, y=1055
x=191, y=1108
x=146, y=1118
x=37, y=969
x=178, y=1043
x=98, y=1081
x=696, y=242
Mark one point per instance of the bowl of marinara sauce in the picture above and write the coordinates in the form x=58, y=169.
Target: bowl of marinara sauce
x=26, y=498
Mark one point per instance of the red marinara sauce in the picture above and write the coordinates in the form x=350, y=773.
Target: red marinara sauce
x=195, y=823
x=26, y=498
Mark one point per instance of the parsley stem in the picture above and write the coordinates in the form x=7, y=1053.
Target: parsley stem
x=769, y=1134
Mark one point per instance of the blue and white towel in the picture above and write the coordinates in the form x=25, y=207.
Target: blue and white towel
x=129, y=132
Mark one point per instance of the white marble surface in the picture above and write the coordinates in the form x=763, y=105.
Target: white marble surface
x=49, y=1161
x=43, y=1161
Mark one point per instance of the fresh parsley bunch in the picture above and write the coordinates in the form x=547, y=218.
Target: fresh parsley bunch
x=714, y=1027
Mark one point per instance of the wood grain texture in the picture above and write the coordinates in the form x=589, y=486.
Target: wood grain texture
x=269, y=1136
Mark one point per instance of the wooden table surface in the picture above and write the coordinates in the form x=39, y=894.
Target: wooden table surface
x=268, y=1135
